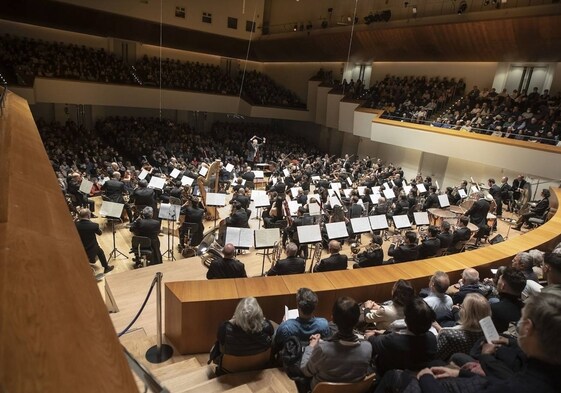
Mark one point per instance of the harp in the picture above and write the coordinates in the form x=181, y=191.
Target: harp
x=210, y=181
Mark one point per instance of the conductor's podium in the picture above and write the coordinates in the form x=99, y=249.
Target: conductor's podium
x=194, y=309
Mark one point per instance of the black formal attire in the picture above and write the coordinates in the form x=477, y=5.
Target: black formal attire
x=431, y=202
x=401, y=207
x=193, y=215
x=226, y=268
x=150, y=228
x=505, y=197
x=333, y=262
x=249, y=178
x=508, y=309
x=235, y=341
x=445, y=239
x=88, y=230
x=458, y=297
x=404, y=252
x=429, y=247
x=403, y=351
x=369, y=258
x=478, y=215
x=516, y=186
x=114, y=190
x=238, y=219
x=144, y=197
x=81, y=199
x=280, y=187
x=242, y=199
x=293, y=233
x=290, y=265
x=355, y=210
x=537, y=211
x=460, y=234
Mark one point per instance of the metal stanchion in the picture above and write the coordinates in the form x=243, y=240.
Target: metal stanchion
x=159, y=353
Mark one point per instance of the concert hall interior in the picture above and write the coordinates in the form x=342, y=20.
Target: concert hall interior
x=246, y=149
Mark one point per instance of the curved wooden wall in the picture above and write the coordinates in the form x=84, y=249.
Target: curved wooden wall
x=55, y=332
x=194, y=309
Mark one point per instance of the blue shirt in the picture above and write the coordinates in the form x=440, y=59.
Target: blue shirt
x=301, y=328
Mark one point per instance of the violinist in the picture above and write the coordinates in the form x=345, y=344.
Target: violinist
x=356, y=209
x=300, y=197
x=238, y=218
x=401, y=206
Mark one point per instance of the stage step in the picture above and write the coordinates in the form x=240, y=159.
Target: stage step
x=174, y=370
x=187, y=380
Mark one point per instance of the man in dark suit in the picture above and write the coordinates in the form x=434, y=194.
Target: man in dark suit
x=409, y=251
x=194, y=214
x=536, y=211
x=335, y=261
x=114, y=190
x=148, y=227
x=292, y=264
x=432, y=200
x=238, y=218
x=88, y=231
x=249, y=177
x=144, y=196
x=462, y=233
x=430, y=245
x=478, y=213
x=226, y=267
x=445, y=236
x=374, y=256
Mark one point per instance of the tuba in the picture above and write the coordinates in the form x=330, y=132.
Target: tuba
x=316, y=255
x=277, y=252
x=210, y=248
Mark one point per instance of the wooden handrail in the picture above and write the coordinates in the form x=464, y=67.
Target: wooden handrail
x=55, y=334
x=194, y=309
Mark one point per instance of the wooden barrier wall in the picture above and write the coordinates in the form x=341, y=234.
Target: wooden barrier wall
x=194, y=309
x=55, y=332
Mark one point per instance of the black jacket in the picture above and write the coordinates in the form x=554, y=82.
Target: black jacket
x=334, y=262
x=404, y=253
x=290, y=265
x=226, y=268
x=88, y=230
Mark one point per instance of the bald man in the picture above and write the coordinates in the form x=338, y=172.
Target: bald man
x=335, y=261
x=227, y=266
x=292, y=264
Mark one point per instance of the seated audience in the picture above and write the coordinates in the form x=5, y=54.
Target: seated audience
x=383, y=315
x=437, y=299
x=510, y=286
x=469, y=283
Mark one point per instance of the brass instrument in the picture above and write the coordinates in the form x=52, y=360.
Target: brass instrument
x=316, y=255
x=397, y=240
x=210, y=248
x=277, y=252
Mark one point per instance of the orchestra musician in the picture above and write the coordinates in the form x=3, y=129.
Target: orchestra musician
x=372, y=256
x=408, y=251
x=249, y=177
x=432, y=200
x=88, y=230
x=429, y=245
x=536, y=211
x=505, y=193
x=495, y=192
x=292, y=264
x=144, y=196
x=518, y=188
x=114, y=190
x=194, y=214
x=335, y=261
x=301, y=219
x=445, y=236
x=148, y=227
x=478, y=214
x=461, y=234
x=238, y=218
x=80, y=199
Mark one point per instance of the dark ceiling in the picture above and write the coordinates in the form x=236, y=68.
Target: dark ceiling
x=536, y=38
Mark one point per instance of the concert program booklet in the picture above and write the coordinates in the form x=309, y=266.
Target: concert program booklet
x=111, y=209
x=489, y=329
x=266, y=238
x=337, y=230
x=239, y=237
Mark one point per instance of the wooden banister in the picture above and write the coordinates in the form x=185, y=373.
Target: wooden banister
x=55, y=332
x=194, y=309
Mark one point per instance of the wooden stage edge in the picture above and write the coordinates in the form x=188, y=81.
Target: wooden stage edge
x=193, y=309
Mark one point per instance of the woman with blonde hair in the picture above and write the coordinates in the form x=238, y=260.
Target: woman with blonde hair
x=460, y=338
x=246, y=333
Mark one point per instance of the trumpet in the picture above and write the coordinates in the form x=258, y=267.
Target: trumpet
x=356, y=247
x=397, y=239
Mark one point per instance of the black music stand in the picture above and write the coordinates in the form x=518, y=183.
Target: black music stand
x=112, y=212
x=169, y=213
x=265, y=239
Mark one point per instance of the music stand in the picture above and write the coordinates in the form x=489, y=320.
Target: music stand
x=421, y=218
x=337, y=231
x=169, y=213
x=112, y=211
x=444, y=201
x=402, y=221
x=308, y=234
x=378, y=222
x=217, y=200
x=265, y=239
x=85, y=188
x=241, y=238
x=260, y=199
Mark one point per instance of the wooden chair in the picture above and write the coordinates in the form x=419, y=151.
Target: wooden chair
x=346, y=387
x=234, y=364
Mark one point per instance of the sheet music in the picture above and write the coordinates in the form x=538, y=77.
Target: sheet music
x=293, y=207
x=443, y=200
x=331, y=192
x=314, y=209
x=260, y=198
x=310, y=196
x=143, y=174
x=286, y=172
x=421, y=188
x=489, y=329
x=336, y=230
x=387, y=186
x=349, y=181
x=421, y=218
x=215, y=199
x=187, y=181
x=334, y=201
x=275, y=180
x=360, y=224
x=157, y=182
x=102, y=180
x=376, y=189
x=401, y=221
x=335, y=186
x=378, y=222
x=229, y=167
x=243, y=182
x=259, y=174
x=347, y=192
x=388, y=193
x=266, y=238
x=407, y=189
x=361, y=190
x=258, y=194
x=169, y=212
x=86, y=186
x=111, y=209
x=316, y=178
x=309, y=234
x=462, y=193
x=203, y=171
x=174, y=173
x=294, y=191
x=239, y=237
x=474, y=188
x=374, y=198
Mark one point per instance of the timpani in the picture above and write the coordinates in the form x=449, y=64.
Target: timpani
x=437, y=216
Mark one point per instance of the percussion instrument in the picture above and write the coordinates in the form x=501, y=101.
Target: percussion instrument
x=437, y=216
